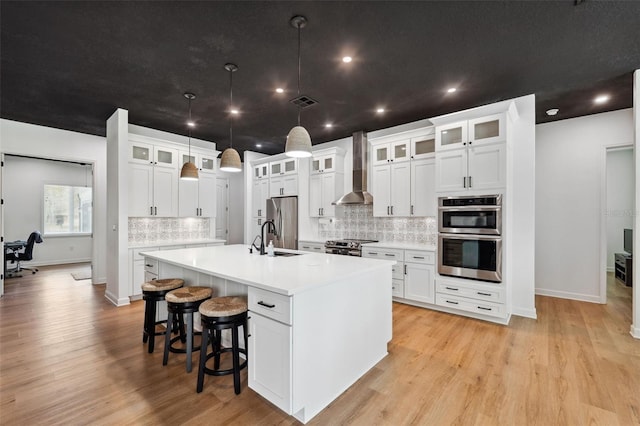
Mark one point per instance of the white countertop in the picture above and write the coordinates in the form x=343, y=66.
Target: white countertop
x=176, y=243
x=402, y=246
x=280, y=274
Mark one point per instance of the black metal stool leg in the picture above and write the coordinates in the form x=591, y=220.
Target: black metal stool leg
x=236, y=359
x=203, y=358
x=152, y=326
x=167, y=337
x=217, y=349
x=189, y=339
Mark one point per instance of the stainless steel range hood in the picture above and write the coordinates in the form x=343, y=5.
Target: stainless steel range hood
x=359, y=194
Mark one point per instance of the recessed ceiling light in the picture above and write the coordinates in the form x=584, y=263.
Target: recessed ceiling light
x=234, y=111
x=258, y=145
x=328, y=125
x=451, y=89
x=601, y=99
x=380, y=110
x=552, y=111
x=191, y=124
x=347, y=59
x=280, y=90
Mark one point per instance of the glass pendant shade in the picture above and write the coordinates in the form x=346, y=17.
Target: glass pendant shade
x=189, y=171
x=230, y=161
x=298, y=143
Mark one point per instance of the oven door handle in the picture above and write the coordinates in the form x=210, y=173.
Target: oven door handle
x=468, y=208
x=470, y=237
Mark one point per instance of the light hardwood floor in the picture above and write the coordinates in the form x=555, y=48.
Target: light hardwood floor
x=67, y=356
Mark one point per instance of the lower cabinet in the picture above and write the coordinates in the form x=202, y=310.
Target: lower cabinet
x=418, y=282
x=472, y=296
x=270, y=345
x=311, y=246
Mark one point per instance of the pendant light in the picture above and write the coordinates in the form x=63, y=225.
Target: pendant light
x=189, y=170
x=230, y=161
x=298, y=140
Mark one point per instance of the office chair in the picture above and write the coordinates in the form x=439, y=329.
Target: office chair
x=27, y=254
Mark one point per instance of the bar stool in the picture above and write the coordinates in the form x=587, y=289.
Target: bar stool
x=180, y=303
x=152, y=293
x=222, y=313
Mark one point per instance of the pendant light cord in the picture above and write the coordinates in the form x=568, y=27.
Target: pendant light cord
x=230, y=106
x=189, y=129
x=299, y=66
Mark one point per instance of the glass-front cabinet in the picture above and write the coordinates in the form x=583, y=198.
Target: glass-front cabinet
x=283, y=167
x=261, y=171
x=478, y=131
x=392, y=152
x=423, y=146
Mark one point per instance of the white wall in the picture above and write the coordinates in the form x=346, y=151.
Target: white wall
x=620, y=200
x=46, y=142
x=635, y=325
x=23, y=206
x=570, y=162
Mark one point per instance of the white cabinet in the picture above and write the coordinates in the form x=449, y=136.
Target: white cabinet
x=283, y=185
x=205, y=162
x=260, y=194
x=390, y=187
x=197, y=198
x=153, y=177
x=261, y=171
x=423, y=146
x=419, y=276
x=324, y=189
x=477, y=131
x=486, y=299
x=283, y=167
x=478, y=167
x=138, y=271
x=311, y=246
x=327, y=161
x=391, y=152
x=423, y=187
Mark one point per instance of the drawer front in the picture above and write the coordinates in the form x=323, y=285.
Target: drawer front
x=137, y=251
x=473, y=291
x=151, y=265
x=397, y=288
x=397, y=271
x=271, y=305
x=470, y=305
x=417, y=256
x=311, y=247
x=387, y=254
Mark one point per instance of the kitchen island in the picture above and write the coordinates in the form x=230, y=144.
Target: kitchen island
x=318, y=322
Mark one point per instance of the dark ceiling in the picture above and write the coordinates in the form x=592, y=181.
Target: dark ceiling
x=70, y=64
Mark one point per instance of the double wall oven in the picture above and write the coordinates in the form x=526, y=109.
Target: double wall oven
x=470, y=237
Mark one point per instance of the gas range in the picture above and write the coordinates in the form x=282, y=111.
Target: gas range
x=347, y=246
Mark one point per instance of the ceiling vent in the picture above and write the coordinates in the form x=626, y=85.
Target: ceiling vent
x=303, y=101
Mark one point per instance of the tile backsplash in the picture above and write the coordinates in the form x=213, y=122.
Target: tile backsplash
x=143, y=230
x=359, y=222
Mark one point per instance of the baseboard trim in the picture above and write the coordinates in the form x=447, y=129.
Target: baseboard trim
x=635, y=332
x=525, y=312
x=568, y=295
x=56, y=262
x=114, y=300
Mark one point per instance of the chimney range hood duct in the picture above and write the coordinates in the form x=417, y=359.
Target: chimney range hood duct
x=359, y=194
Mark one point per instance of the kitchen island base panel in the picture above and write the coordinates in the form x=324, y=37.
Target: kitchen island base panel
x=340, y=332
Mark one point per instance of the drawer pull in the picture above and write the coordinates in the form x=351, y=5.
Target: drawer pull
x=483, y=294
x=148, y=265
x=372, y=253
x=452, y=288
x=453, y=303
x=418, y=257
x=390, y=254
x=485, y=309
x=266, y=305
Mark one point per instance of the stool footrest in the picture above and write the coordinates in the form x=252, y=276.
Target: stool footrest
x=218, y=372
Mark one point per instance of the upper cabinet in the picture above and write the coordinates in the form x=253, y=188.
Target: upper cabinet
x=327, y=161
x=477, y=131
x=261, y=171
x=326, y=181
x=423, y=146
x=153, y=177
x=283, y=167
x=471, y=154
x=205, y=162
x=391, y=152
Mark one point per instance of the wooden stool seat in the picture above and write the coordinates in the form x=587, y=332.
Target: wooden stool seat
x=183, y=302
x=222, y=313
x=153, y=292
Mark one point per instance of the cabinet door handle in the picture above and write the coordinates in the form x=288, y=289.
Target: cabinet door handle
x=469, y=181
x=464, y=181
x=452, y=302
x=155, y=210
x=259, y=221
x=452, y=288
x=387, y=210
x=485, y=309
x=150, y=210
x=259, y=212
x=266, y=305
x=469, y=142
x=412, y=210
x=392, y=210
x=483, y=294
x=405, y=269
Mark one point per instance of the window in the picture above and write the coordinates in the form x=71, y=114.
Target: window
x=67, y=209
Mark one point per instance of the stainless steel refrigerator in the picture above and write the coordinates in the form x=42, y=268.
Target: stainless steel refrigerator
x=284, y=213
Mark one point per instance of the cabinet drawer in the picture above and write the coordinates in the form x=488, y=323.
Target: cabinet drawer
x=271, y=305
x=416, y=256
x=397, y=288
x=397, y=271
x=473, y=291
x=151, y=266
x=470, y=305
x=388, y=254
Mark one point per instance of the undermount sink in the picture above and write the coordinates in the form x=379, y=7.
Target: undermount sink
x=285, y=253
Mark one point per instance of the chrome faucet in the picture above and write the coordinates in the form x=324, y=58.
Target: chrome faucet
x=273, y=228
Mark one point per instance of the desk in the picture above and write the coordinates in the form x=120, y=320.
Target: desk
x=9, y=248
